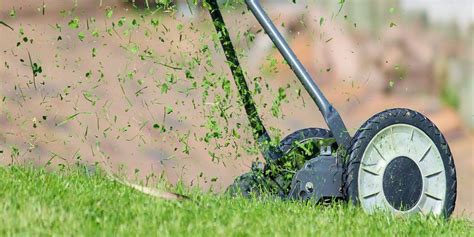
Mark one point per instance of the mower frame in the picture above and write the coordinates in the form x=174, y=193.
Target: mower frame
x=354, y=178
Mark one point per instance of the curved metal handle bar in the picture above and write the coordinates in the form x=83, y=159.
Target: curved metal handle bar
x=289, y=55
x=331, y=116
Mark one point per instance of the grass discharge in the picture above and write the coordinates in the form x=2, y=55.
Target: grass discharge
x=34, y=202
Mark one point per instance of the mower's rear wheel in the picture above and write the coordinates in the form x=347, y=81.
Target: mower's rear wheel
x=400, y=162
x=302, y=136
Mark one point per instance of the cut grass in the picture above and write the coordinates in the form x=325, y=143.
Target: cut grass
x=35, y=202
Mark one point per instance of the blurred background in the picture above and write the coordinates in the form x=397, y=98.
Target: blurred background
x=83, y=80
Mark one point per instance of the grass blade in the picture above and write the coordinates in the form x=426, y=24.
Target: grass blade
x=70, y=118
x=32, y=70
x=6, y=25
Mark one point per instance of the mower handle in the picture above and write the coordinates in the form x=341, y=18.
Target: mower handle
x=330, y=114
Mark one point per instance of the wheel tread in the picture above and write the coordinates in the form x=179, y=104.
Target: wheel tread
x=350, y=187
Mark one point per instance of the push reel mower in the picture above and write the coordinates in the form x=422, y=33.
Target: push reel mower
x=398, y=161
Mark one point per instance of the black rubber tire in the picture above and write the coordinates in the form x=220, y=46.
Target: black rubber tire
x=252, y=183
x=382, y=120
x=286, y=144
x=246, y=185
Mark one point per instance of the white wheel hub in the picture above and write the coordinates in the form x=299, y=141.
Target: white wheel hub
x=395, y=144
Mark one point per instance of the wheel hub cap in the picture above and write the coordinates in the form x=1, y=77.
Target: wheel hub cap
x=402, y=171
x=402, y=191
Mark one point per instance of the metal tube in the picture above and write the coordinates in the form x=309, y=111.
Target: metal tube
x=289, y=55
x=331, y=116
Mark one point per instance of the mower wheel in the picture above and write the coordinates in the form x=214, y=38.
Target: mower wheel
x=303, y=135
x=246, y=185
x=401, y=163
x=296, y=149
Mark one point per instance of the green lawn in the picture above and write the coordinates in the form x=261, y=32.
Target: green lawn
x=35, y=202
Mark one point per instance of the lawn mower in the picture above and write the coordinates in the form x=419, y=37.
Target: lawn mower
x=397, y=162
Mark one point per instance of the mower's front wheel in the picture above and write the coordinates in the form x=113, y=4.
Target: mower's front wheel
x=400, y=162
x=247, y=185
